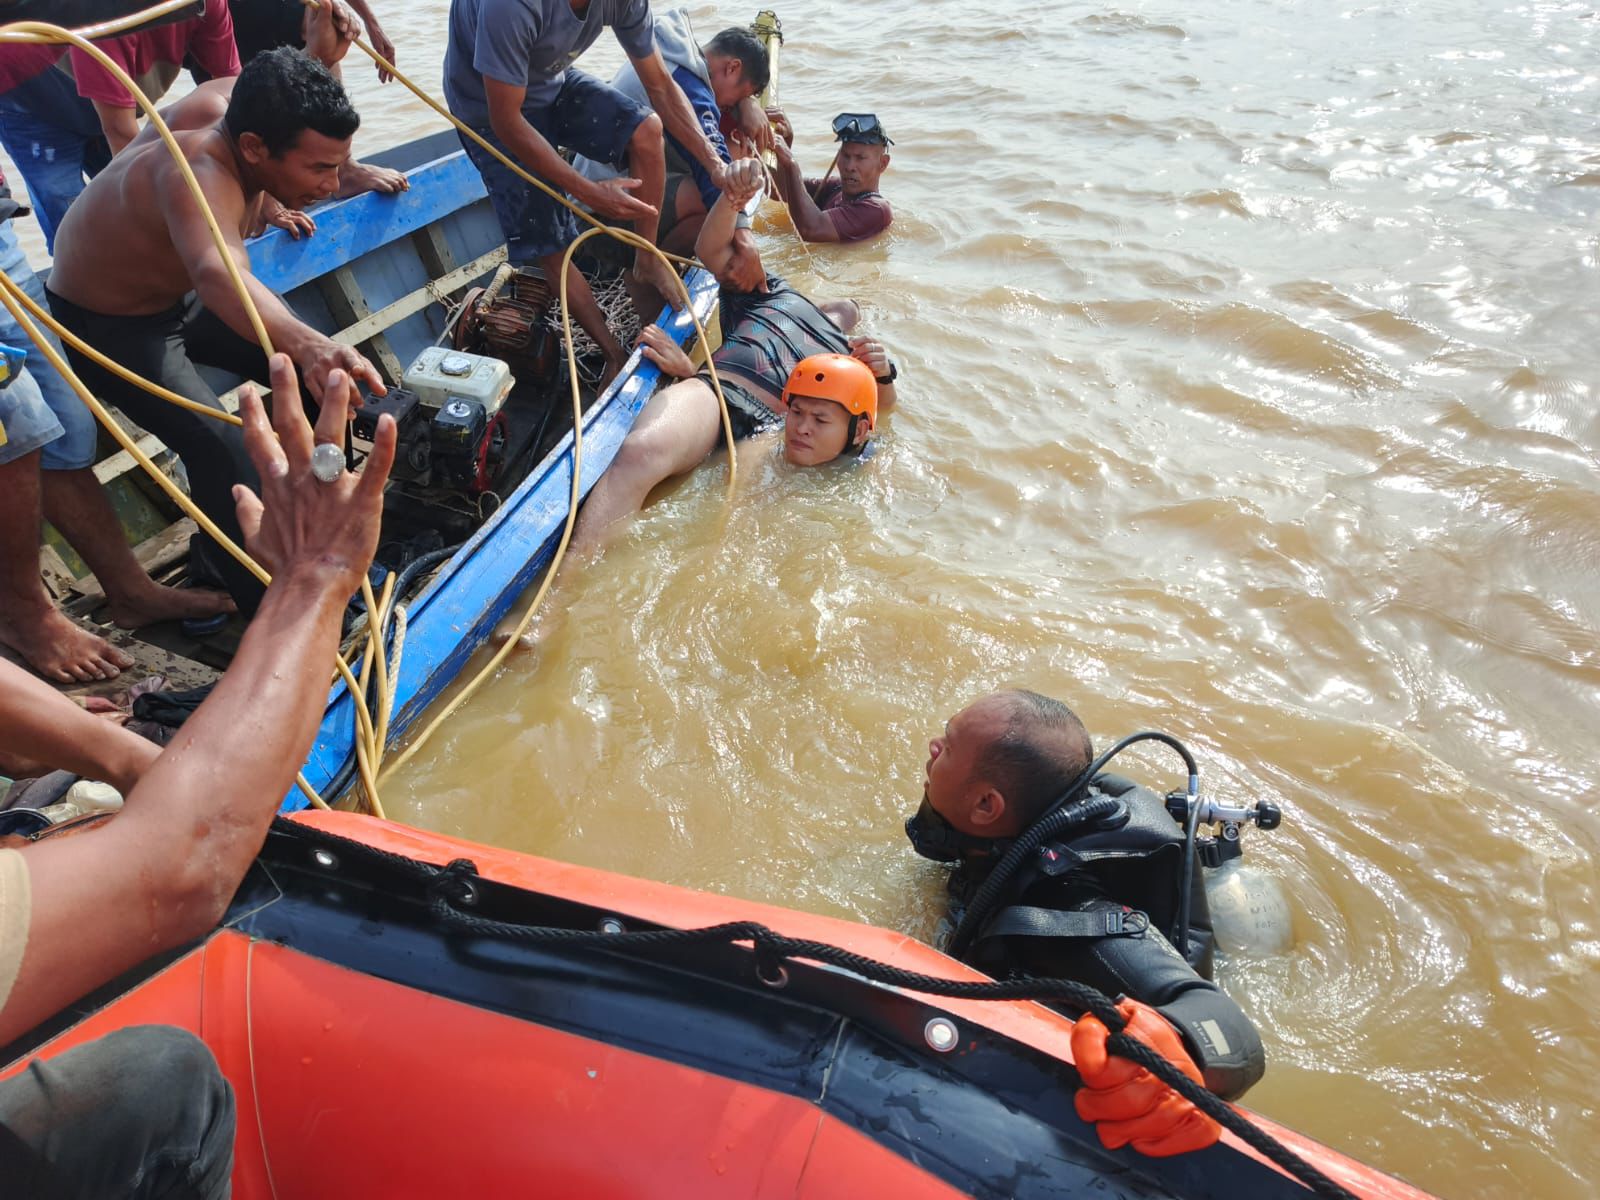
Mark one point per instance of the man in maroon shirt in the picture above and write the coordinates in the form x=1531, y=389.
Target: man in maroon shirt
x=62, y=115
x=847, y=209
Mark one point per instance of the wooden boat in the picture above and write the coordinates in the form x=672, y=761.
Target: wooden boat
x=395, y=1030
x=387, y=274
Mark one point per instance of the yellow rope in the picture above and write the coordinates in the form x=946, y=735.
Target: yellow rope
x=47, y=319
x=108, y=29
x=54, y=357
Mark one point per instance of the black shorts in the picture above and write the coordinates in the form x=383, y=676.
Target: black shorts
x=164, y=347
x=588, y=117
x=747, y=412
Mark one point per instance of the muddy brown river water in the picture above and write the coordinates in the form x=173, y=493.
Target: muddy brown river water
x=1249, y=363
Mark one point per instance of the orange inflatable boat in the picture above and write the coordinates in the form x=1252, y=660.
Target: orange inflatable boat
x=511, y=1027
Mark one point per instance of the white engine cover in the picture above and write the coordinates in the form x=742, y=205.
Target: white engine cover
x=438, y=374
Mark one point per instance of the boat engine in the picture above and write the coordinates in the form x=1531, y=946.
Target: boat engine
x=509, y=320
x=452, y=430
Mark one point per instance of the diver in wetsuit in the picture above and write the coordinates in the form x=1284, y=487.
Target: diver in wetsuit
x=1094, y=907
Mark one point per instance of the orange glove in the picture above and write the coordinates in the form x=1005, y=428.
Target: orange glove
x=1128, y=1104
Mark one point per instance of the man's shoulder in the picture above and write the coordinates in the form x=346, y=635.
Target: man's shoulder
x=205, y=150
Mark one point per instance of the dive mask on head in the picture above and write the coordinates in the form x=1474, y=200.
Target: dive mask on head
x=934, y=837
x=860, y=127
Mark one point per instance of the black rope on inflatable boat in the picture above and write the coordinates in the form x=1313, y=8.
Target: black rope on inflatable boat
x=452, y=886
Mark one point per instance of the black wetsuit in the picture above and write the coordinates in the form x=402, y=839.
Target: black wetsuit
x=1128, y=875
x=764, y=336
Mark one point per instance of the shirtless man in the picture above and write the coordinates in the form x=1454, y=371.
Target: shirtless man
x=323, y=31
x=768, y=332
x=138, y=276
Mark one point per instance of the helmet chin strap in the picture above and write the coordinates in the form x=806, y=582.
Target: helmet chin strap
x=851, y=446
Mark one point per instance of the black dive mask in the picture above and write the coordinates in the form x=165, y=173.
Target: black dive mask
x=934, y=837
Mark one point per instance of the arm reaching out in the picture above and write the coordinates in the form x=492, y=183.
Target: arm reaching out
x=375, y=36
x=163, y=871
x=716, y=244
x=612, y=198
x=38, y=721
x=812, y=223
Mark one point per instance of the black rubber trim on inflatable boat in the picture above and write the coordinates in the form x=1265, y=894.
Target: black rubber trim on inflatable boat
x=993, y=1117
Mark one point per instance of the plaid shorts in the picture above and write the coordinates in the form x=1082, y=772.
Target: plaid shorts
x=588, y=117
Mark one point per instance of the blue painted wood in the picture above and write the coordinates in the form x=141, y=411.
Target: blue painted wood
x=478, y=585
x=347, y=229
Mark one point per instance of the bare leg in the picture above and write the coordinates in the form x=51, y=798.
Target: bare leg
x=685, y=215
x=673, y=434
x=77, y=505
x=30, y=623
x=647, y=160
x=588, y=313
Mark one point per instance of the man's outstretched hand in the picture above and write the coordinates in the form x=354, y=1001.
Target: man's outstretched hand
x=1126, y=1102
x=300, y=526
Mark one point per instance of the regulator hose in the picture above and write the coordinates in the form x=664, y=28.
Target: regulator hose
x=1069, y=812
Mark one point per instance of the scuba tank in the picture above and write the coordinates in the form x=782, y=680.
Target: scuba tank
x=1250, y=911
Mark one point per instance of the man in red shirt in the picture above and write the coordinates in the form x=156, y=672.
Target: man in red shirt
x=847, y=209
x=153, y=59
x=51, y=100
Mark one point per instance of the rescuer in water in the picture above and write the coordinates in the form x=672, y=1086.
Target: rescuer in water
x=1095, y=907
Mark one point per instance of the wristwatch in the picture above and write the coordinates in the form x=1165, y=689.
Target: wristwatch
x=894, y=373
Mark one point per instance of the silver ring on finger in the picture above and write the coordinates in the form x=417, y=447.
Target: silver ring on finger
x=327, y=462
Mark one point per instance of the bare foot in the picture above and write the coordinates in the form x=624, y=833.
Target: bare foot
x=657, y=275
x=58, y=649
x=168, y=604
x=358, y=177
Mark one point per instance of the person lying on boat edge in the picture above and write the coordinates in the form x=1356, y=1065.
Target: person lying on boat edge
x=785, y=362
x=145, y=1111
x=47, y=459
x=139, y=277
x=847, y=209
x=323, y=31
x=507, y=75
x=997, y=767
x=720, y=80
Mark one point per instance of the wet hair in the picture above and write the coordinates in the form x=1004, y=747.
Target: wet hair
x=1043, y=749
x=747, y=48
x=283, y=92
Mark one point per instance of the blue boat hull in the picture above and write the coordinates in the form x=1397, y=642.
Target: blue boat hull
x=377, y=239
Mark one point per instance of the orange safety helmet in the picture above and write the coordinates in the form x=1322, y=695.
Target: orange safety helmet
x=844, y=380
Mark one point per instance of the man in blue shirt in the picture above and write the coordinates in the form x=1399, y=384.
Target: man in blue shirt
x=507, y=74
x=721, y=80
